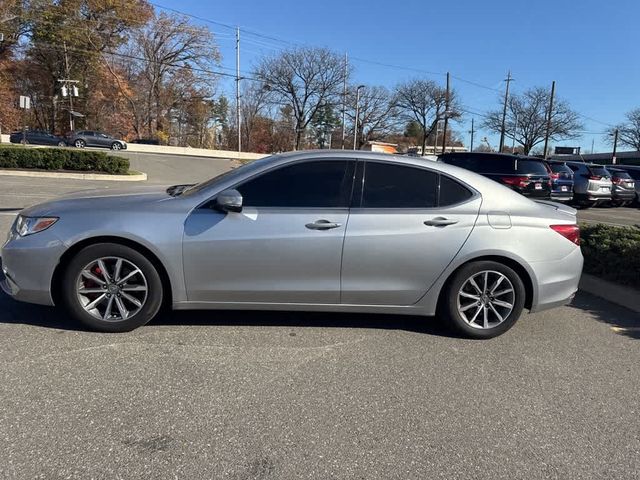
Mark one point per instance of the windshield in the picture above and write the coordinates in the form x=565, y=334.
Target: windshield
x=599, y=171
x=236, y=172
x=560, y=168
x=620, y=174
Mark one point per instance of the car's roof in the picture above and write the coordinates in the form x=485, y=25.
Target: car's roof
x=586, y=164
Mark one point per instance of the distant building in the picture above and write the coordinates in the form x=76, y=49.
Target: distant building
x=382, y=147
x=429, y=150
x=622, y=158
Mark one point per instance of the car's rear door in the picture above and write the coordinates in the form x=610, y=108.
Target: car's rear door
x=284, y=247
x=407, y=224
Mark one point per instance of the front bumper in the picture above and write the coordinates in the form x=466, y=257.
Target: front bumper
x=28, y=264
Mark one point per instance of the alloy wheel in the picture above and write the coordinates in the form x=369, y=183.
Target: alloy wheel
x=486, y=299
x=112, y=289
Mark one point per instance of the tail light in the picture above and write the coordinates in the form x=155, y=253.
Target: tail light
x=595, y=177
x=570, y=232
x=516, y=181
x=554, y=176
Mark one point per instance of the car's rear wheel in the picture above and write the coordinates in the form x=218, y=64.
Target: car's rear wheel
x=111, y=288
x=79, y=143
x=483, y=299
x=116, y=146
x=62, y=144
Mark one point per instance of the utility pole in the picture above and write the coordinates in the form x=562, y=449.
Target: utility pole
x=238, y=119
x=472, y=131
x=593, y=141
x=344, y=99
x=66, y=63
x=615, y=146
x=446, y=115
x=546, y=136
x=513, y=137
x=504, y=111
x=355, y=121
x=69, y=88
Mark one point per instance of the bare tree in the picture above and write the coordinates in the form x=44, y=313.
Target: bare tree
x=168, y=43
x=629, y=131
x=376, y=113
x=527, y=119
x=425, y=102
x=305, y=79
x=253, y=103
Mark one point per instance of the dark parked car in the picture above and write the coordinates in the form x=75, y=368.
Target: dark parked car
x=561, y=181
x=623, y=190
x=634, y=172
x=37, y=137
x=89, y=138
x=526, y=175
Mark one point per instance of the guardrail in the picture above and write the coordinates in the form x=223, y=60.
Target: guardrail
x=193, y=152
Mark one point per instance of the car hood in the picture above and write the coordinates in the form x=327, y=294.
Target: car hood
x=100, y=199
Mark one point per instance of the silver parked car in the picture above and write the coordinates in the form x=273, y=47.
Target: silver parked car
x=324, y=231
x=591, y=184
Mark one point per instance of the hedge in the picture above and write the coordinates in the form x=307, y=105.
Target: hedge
x=612, y=253
x=62, y=159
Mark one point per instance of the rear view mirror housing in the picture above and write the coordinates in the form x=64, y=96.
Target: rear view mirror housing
x=229, y=201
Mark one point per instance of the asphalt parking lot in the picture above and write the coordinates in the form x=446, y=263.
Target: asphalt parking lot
x=253, y=395
x=620, y=216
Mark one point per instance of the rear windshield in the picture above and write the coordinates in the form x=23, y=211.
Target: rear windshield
x=635, y=174
x=619, y=174
x=600, y=171
x=560, y=168
x=531, y=167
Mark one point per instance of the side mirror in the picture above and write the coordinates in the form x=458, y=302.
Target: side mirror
x=229, y=201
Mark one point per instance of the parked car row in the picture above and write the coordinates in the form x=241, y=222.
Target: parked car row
x=81, y=139
x=581, y=184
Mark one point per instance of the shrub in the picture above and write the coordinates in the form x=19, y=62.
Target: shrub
x=612, y=253
x=62, y=159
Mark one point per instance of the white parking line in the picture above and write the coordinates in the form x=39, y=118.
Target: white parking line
x=25, y=195
x=8, y=214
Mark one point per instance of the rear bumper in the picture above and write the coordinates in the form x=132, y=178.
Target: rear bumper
x=562, y=196
x=625, y=196
x=557, y=281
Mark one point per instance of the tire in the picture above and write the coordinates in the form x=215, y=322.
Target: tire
x=116, y=146
x=453, y=303
x=115, y=307
x=62, y=144
x=79, y=143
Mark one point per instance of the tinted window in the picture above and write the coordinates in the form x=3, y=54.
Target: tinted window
x=398, y=186
x=619, y=174
x=531, y=167
x=599, y=171
x=491, y=164
x=560, y=168
x=452, y=192
x=469, y=163
x=309, y=184
x=634, y=174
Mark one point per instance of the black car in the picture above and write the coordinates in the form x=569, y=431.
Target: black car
x=561, y=181
x=526, y=175
x=37, y=137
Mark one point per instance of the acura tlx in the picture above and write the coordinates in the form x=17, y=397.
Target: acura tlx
x=323, y=231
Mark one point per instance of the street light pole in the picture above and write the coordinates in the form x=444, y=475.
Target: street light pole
x=549, y=115
x=446, y=116
x=344, y=99
x=355, y=121
x=471, y=132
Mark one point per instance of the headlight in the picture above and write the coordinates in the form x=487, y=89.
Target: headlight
x=30, y=225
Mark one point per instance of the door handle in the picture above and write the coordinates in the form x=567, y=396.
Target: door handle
x=322, y=225
x=440, y=222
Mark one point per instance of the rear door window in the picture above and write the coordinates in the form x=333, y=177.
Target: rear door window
x=399, y=186
x=599, y=171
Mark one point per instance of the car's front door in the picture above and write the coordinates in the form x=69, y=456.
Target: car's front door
x=285, y=246
x=408, y=226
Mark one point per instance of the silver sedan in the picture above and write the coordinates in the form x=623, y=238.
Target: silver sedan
x=324, y=231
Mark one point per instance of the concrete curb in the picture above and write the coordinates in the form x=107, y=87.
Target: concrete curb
x=141, y=177
x=619, y=294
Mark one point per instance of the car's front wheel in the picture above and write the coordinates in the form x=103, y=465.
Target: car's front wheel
x=483, y=299
x=111, y=288
x=116, y=146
